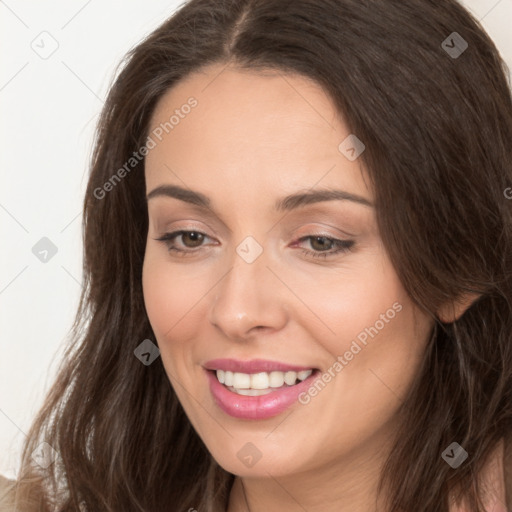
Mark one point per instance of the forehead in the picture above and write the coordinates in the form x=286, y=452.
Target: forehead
x=260, y=127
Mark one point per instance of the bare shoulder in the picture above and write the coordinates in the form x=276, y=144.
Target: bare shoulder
x=7, y=490
x=497, y=473
x=495, y=480
x=507, y=466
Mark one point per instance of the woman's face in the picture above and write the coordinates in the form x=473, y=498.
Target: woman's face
x=266, y=288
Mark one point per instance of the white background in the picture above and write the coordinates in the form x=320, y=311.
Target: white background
x=49, y=110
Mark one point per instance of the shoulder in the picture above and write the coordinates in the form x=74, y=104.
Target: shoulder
x=507, y=471
x=7, y=489
x=22, y=496
x=496, y=480
x=5, y=485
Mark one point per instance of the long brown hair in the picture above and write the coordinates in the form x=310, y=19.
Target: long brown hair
x=437, y=127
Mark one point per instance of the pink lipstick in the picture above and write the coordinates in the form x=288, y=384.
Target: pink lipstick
x=257, y=389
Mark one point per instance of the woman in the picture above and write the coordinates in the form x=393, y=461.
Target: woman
x=298, y=247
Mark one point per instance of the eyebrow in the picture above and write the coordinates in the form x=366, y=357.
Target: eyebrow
x=287, y=203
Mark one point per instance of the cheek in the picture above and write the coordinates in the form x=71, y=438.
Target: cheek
x=375, y=338
x=359, y=307
x=174, y=302
x=160, y=294
x=373, y=362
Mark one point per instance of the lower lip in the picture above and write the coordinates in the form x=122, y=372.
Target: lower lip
x=257, y=407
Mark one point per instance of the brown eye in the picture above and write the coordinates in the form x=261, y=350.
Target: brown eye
x=195, y=237
x=324, y=246
x=190, y=240
x=321, y=243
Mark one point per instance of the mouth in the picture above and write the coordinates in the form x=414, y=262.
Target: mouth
x=262, y=383
x=257, y=389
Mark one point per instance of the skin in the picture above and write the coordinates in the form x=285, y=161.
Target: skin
x=254, y=138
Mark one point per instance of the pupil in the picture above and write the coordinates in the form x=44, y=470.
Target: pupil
x=194, y=236
x=321, y=240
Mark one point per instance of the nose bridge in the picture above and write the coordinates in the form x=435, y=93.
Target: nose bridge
x=248, y=296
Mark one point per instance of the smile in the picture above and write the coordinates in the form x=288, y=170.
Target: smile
x=256, y=389
x=262, y=383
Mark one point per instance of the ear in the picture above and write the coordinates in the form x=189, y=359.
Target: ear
x=453, y=310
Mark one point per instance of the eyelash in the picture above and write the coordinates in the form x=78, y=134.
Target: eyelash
x=343, y=245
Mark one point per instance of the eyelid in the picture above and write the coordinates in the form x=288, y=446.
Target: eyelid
x=165, y=220
x=322, y=229
x=171, y=227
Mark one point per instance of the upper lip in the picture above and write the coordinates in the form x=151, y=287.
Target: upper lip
x=253, y=366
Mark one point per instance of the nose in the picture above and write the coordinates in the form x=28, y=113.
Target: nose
x=249, y=299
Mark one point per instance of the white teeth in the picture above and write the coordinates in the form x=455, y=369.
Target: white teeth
x=290, y=378
x=251, y=392
x=276, y=379
x=228, y=378
x=241, y=380
x=255, y=384
x=259, y=380
x=304, y=374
